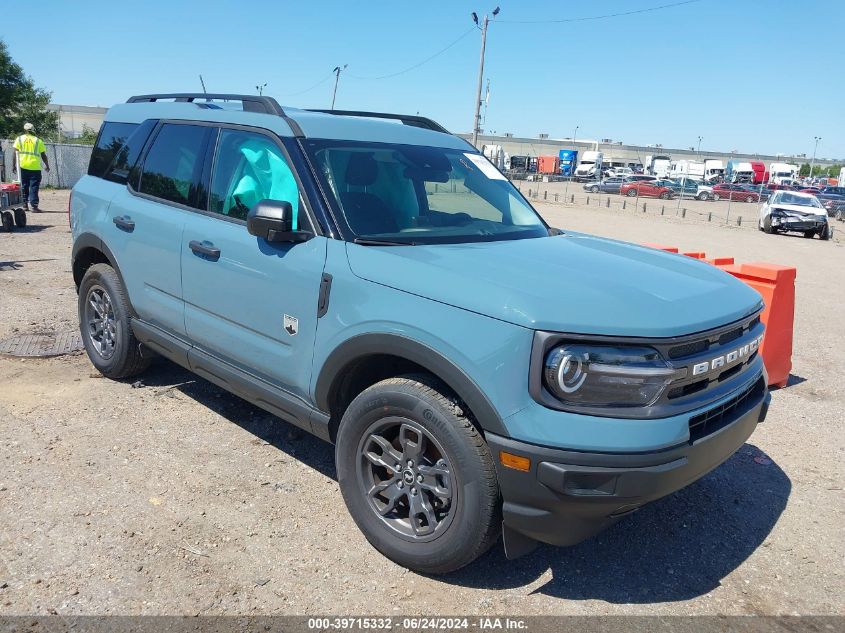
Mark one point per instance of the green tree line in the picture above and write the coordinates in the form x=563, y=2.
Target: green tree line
x=822, y=172
x=21, y=101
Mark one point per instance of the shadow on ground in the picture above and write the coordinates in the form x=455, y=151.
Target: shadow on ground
x=675, y=549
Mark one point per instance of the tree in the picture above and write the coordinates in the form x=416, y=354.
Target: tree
x=21, y=101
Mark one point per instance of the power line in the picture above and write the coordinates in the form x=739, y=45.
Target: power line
x=415, y=66
x=600, y=17
x=302, y=92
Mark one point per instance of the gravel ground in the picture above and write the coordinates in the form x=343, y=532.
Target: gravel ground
x=177, y=498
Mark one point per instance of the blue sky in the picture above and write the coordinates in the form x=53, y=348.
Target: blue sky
x=752, y=75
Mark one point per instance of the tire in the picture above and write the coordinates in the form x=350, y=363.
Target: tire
x=716, y=197
x=632, y=193
x=702, y=196
x=825, y=233
x=594, y=189
x=840, y=215
x=809, y=234
x=7, y=221
x=750, y=199
x=767, y=226
x=20, y=218
x=665, y=195
x=464, y=514
x=103, y=302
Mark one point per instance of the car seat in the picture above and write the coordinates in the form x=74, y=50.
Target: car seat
x=366, y=213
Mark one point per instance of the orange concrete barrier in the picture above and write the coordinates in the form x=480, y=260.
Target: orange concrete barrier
x=777, y=286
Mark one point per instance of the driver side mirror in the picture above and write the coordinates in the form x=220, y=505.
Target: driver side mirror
x=272, y=220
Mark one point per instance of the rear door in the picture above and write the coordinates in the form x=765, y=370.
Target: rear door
x=147, y=219
x=251, y=303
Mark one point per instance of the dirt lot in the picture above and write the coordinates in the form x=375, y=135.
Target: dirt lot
x=174, y=497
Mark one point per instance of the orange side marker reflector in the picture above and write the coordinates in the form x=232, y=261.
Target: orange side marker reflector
x=517, y=462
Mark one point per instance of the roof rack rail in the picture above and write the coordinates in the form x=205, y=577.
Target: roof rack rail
x=406, y=119
x=251, y=103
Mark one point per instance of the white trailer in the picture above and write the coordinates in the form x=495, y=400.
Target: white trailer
x=686, y=169
x=783, y=173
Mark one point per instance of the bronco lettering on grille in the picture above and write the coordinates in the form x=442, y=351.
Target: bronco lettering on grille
x=718, y=362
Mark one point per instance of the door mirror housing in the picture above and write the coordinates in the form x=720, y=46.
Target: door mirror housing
x=272, y=220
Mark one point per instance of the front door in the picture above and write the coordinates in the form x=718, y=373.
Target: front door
x=249, y=302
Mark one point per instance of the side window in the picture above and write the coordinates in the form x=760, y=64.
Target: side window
x=126, y=157
x=250, y=167
x=172, y=167
x=112, y=138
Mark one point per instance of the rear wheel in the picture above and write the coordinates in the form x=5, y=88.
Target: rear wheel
x=20, y=218
x=104, y=324
x=7, y=221
x=632, y=193
x=716, y=197
x=417, y=476
x=594, y=189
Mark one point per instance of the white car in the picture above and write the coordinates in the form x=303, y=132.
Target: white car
x=794, y=211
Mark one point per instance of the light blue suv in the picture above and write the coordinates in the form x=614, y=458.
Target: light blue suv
x=374, y=280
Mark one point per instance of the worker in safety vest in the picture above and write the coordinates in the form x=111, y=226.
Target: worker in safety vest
x=30, y=151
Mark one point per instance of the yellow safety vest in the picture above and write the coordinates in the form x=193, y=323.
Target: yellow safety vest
x=29, y=149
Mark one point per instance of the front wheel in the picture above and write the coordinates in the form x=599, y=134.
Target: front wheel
x=750, y=199
x=809, y=234
x=594, y=189
x=702, y=196
x=665, y=195
x=632, y=193
x=104, y=324
x=417, y=476
x=7, y=221
x=825, y=232
x=716, y=197
x=20, y=218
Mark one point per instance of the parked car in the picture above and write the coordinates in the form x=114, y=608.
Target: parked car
x=830, y=197
x=609, y=185
x=640, y=177
x=761, y=191
x=479, y=372
x=731, y=191
x=792, y=211
x=692, y=189
x=647, y=189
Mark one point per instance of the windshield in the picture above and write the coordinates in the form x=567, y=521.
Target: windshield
x=409, y=194
x=791, y=198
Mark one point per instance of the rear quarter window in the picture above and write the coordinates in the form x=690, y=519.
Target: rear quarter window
x=117, y=150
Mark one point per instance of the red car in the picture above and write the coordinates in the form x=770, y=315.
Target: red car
x=812, y=190
x=728, y=191
x=647, y=189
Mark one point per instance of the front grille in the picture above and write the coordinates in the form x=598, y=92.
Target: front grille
x=688, y=349
x=726, y=413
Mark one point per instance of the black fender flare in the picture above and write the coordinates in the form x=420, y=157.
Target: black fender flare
x=409, y=349
x=89, y=240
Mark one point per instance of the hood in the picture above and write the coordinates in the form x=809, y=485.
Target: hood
x=570, y=283
x=798, y=210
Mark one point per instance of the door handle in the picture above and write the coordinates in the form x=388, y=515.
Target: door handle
x=205, y=248
x=124, y=222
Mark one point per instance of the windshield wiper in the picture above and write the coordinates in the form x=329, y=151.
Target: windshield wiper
x=365, y=241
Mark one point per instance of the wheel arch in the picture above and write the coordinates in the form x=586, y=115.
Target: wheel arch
x=366, y=359
x=88, y=249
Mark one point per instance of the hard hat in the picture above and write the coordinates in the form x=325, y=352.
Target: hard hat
x=28, y=127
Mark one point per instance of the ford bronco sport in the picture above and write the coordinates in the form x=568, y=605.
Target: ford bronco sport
x=374, y=280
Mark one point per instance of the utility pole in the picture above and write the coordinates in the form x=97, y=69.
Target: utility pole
x=699, y=147
x=476, y=127
x=813, y=163
x=337, y=70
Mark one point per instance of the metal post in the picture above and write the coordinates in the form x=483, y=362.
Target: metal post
x=336, y=71
x=813, y=163
x=477, y=120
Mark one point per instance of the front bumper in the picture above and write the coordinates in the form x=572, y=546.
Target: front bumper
x=568, y=496
x=794, y=224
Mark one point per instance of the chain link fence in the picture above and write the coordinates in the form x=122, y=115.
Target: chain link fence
x=68, y=163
